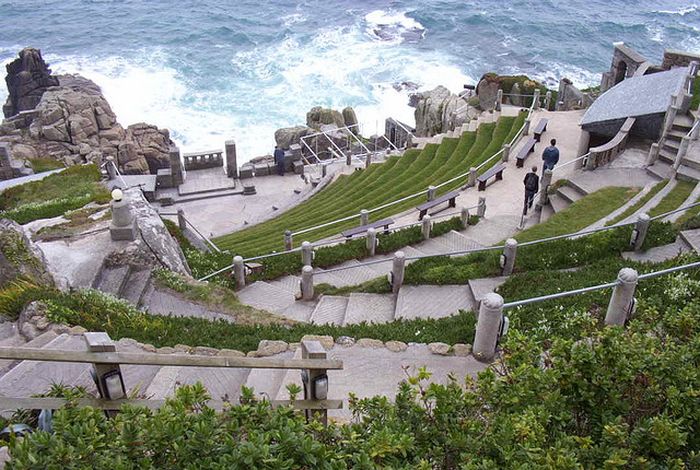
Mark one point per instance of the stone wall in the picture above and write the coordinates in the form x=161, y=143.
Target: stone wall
x=625, y=63
x=674, y=58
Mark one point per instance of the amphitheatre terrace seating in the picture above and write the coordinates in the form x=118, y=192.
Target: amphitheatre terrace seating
x=525, y=152
x=450, y=198
x=363, y=228
x=397, y=178
x=540, y=129
x=496, y=171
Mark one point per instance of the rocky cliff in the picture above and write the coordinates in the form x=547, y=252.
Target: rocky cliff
x=440, y=110
x=67, y=118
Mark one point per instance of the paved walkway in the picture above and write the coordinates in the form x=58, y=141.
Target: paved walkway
x=5, y=184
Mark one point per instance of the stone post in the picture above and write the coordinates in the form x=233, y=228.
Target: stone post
x=314, y=350
x=695, y=131
x=111, y=168
x=307, y=283
x=622, y=300
x=364, y=217
x=584, y=141
x=123, y=225
x=481, y=210
x=526, y=127
x=464, y=217
x=371, y=241
x=671, y=114
x=547, y=100
x=471, y=178
x=536, y=99
x=288, y=240
x=181, y=221
x=488, y=327
x=307, y=254
x=682, y=151
x=368, y=160
x=499, y=99
x=397, y=271
x=653, y=153
x=506, y=153
x=544, y=187
x=348, y=159
x=431, y=193
x=639, y=233
x=508, y=258
x=239, y=271
x=231, y=159
x=176, y=166
x=324, y=171
x=425, y=227
x=591, y=161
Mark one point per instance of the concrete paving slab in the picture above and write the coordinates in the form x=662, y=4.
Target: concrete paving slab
x=481, y=287
x=370, y=308
x=265, y=297
x=330, y=310
x=431, y=301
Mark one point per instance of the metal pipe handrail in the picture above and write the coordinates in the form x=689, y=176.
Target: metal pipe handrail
x=455, y=253
x=359, y=265
x=680, y=209
x=209, y=242
x=692, y=129
x=357, y=138
x=216, y=273
x=607, y=285
x=390, y=142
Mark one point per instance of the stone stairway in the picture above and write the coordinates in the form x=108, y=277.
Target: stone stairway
x=689, y=168
x=128, y=282
x=280, y=295
x=686, y=242
x=564, y=196
x=371, y=368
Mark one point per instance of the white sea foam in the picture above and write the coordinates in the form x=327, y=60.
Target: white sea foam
x=394, y=27
x=681, y=11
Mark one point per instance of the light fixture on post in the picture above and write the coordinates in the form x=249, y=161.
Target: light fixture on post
x=123, y=226
x=112, y=385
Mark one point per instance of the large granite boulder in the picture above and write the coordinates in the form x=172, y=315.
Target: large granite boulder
x=439, y=110
x=515, y=99
x=19, y=257
x=318, y=116
x=27, y=79
x=287, y=136
x=350, y=118
x=73, y=123
x=487, y=91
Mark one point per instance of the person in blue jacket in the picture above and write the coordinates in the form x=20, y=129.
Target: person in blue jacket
x=550, y=156
x=279, y=160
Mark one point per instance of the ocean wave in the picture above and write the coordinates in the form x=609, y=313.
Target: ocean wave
x=394, y=27
x=681, y=11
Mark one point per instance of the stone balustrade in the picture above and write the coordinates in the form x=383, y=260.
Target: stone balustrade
x=201, y=160
x=604, y=154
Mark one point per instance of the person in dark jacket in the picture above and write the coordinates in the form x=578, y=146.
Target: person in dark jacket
x=550, y=156
x=532, y=185
x=279, y=160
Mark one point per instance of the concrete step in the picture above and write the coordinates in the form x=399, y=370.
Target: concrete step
x=481, y=287
x=329, y=310
x=660, y=170
x=675, y=135
x=659, y=254
x=322, y=277
x=136, y=286
x=433, y=246
x=383, y=268
x=266, y=297
x=38, y=342
x=292, y=377
x=690, y=162
x=569, y=194
x=432, y=301
x=290, y=284
x=692, y=238
x=687, y=173
x=8, y=333
x=299, y=310
x=672, y=145
x=354, y=275
x=410, y=251
x=221, y=383
x=683, y=120
x=455, y=241
x=667, y=156
x=558, y=203
x=572, y=183
x=370, y=308
x=112, y=280
x=267, y=382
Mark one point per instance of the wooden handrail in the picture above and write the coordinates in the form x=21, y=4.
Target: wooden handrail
x=183, y=360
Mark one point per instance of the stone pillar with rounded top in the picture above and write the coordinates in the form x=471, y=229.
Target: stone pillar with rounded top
x=431, y=193
x=695, y=131
x=481, y=209
x=231, y=159
x=368, y=160
x=425, y=228
x=239, y=271
x=621, y=304
x=181, y=221
x=509, y=252
x=544, y=188
x=653, y=154
x=499, y=99
x=176, y=165
x=641, y=228
x=547, y=100
x=364, y=217
x=307, y=254
x=288, y=240
x=123, y=225
x=488, y=327
x=526, y=127
x=471, y=178
x=506, y=153
x=584, y=141
x=397, y=271
x=307, y=283
x=111, y=168
x=682, y=152
x=464, y=217
x=536, y=99
x=371, y=241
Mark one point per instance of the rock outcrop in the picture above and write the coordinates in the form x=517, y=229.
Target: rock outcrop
x=19, y=257
x=440, y=110
x=487, y=91
x=27, y=79
x=349, y=117
x=288, y=136
x=318, y=116
x=72, y=122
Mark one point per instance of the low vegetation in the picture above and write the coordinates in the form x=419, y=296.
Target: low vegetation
x=54, y=195
x=639, y=204
x=674, y=199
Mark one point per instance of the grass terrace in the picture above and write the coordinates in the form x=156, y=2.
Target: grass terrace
x=397, y=178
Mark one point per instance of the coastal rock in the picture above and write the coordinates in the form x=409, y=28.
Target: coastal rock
x=440, y=349
x=516, y=100
x=271, y=347
x=396, y=346
x=487, y=90
x=19, y=256
x=67, y=118
x=349, y=117
x=27, y=79
x=318, y=116
x=439, y=110
x=287, y=136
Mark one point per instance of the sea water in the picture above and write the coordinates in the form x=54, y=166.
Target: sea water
x=212, y=70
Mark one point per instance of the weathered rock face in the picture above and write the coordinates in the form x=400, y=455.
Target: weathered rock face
x=19, y=257
x=516, y=100
x=287, y=136
x=318, y=116
x=27, y=78
x=487, y=91
x=440, y=110
x=72, y=122
x=349, y=117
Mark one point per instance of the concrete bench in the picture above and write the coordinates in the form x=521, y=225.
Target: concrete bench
x=423, y=208
x=496, y=171
x=540, y=129
x=525, y=152
x=363, y=228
